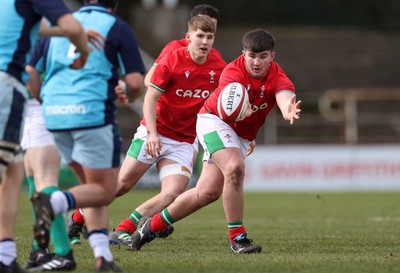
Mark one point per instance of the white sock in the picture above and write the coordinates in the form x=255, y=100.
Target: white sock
x=100, y=245
x=8, y=252
x=59, y=202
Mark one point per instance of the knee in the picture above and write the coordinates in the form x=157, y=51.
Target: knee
x=121, y=190
x=108, y=196
x=169, y=197
x=123, y=186
x=234, y=174
x=209, y=196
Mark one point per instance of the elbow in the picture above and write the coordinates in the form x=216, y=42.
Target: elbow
x=135, y=91
x=134, y=86
x=146, y=82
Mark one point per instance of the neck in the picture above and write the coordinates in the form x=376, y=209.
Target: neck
x=198, y=59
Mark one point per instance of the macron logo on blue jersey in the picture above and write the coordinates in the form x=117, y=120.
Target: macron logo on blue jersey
x=77, y=109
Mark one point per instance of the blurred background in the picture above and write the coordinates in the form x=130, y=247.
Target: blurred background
x=342, y=55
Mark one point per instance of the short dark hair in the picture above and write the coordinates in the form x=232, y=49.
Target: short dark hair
x=106, y=3
x=258, y=40
x=205, y=9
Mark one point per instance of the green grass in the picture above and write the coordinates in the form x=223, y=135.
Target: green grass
x=299, y=232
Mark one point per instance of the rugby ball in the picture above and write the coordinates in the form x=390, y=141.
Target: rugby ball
x=233, y=102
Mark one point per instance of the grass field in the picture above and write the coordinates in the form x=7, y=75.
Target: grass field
x=299, y=232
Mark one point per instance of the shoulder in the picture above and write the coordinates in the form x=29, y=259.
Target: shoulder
x=175, y=44
x=215, y=53
x=52, y=10
x=279, y=77
x=276, y=71
x=177, y=54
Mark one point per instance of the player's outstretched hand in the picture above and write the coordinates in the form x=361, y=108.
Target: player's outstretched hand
x=294, y=109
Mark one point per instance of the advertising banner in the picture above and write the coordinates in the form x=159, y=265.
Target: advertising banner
x=326, y=167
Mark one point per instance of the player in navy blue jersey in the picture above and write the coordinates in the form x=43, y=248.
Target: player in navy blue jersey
x=79, y=109
x=19, y=26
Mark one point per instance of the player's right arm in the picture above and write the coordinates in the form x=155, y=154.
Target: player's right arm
x=149, y=75
x=288, y=105
x=73, y=30
x=154, y=144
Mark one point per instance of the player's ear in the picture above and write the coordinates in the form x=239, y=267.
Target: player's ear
x=187, y=36
x=273, y=54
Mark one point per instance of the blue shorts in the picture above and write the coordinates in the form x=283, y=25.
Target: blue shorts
x=13, y=96
x=96, y=148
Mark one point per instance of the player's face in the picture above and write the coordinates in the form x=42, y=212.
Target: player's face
x=257, y=64
x=200, y=44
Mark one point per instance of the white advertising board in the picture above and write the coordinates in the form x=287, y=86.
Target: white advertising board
x=324, y=168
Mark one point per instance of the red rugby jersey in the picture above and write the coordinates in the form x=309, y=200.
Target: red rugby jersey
x=261, y=94
x=185, y=86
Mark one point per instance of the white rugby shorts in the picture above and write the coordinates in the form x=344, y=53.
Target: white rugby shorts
x=180, y=152
x=35, y=133
x=214, y=135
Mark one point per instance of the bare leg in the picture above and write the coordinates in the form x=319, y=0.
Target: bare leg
x=9, y=194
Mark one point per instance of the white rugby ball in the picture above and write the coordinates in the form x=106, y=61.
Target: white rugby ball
x=233, y=102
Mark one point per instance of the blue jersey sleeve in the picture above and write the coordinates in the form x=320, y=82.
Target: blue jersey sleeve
x=52, y=10
x=129, y=58
x=38, y=57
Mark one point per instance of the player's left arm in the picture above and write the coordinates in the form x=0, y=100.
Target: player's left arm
x=95, y=39
x=34, y=83
x=290, y=108
x=130, y=63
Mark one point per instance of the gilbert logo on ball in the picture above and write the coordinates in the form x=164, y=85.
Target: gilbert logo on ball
x=233, y=102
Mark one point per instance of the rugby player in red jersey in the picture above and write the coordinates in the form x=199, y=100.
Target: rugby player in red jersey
x=227, y=145
x=181, y=82
x=203, y=9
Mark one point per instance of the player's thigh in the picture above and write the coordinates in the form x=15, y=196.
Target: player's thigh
x=44, y=162
x=211, y=180
x=178, y=153
x=131, y=171
x=174, y=177
x=106, y=177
